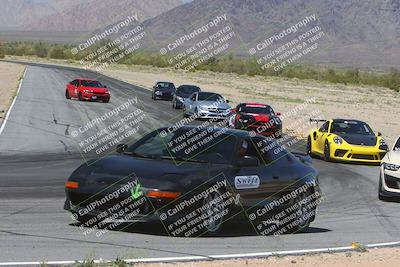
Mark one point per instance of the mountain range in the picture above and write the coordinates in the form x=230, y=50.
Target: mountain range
x=76, y=15
x=363, y=33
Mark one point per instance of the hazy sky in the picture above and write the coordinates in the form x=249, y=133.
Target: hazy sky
x=184, y=1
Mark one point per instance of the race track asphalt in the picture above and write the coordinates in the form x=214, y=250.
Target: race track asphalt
x=37, y=154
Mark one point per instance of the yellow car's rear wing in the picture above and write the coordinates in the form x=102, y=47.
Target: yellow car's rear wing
x=317, y=121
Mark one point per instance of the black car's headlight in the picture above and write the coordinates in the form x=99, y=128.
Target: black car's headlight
x=179, y=98
x=391, y=167
x=158, y=93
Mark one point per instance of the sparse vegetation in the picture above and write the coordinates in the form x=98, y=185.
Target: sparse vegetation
x=225, y=64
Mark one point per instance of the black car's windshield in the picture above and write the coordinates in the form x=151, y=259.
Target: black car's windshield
x=351, y=127
x=197, y=144
x=187, y=89
x=92, y=84
x=257, y=110
x=165, y=85
x=210, y=97
x=397, y=145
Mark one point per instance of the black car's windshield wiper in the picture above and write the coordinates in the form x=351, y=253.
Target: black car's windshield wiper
x=134, y=154
x=183, y=159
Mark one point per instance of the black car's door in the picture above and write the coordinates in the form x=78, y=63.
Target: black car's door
x=275, y=172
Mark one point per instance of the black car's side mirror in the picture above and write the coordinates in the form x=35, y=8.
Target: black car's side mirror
x=379, y=134
x=248, y=161
x=121, y=148
x=227, y=101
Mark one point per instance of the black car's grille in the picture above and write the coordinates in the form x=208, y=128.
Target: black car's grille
x=97, y=203
x=392, y=182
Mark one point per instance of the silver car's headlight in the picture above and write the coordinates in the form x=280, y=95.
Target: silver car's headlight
x=391, y=167
x=338, y=140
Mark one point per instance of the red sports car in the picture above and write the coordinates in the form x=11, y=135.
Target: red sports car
x=259, y=118
x=87, y=89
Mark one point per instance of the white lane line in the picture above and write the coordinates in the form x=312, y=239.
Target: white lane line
x=13, y=102
x=214, y=257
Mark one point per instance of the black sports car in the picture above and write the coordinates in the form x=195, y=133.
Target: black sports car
x=183, y=92
x=193, y=179
x=163, y=90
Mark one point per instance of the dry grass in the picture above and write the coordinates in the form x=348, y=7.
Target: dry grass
x=372, y=258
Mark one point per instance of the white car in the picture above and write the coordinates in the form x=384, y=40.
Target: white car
x=206, y=105
x=389, y=180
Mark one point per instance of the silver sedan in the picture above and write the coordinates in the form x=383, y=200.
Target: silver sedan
x=206, y=105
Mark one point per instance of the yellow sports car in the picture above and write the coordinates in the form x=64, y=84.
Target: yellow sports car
x=346, y=140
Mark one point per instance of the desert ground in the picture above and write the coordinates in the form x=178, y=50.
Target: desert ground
x=371, y=258
x=10, y=75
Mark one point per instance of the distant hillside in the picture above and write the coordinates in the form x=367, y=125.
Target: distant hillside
x=76, y=15
x=358, y=33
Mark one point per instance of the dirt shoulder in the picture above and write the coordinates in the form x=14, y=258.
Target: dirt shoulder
x=10, y=75
x=377, y=106
x=371, y=258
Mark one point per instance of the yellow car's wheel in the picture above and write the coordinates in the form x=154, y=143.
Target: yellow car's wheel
x=309, y=147
x=327, y=152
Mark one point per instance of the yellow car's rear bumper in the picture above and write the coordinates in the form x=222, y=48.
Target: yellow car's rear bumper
x=357, y=153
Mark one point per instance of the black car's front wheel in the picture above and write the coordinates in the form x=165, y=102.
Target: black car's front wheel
x=304, y=210
x=213, y=212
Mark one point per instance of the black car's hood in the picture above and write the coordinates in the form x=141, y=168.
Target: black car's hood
x=358, y=139
x=167, y=90
x=183, y=95
x=161, y=174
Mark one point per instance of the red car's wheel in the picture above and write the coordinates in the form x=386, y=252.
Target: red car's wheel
x=80, y=96
x=67, y=96
x=106, y=100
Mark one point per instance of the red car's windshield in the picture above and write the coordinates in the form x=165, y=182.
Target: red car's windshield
x=257, y=110
x=92, y=84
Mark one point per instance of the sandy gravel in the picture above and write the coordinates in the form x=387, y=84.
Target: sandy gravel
x=9, y=80
x=383, y=257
